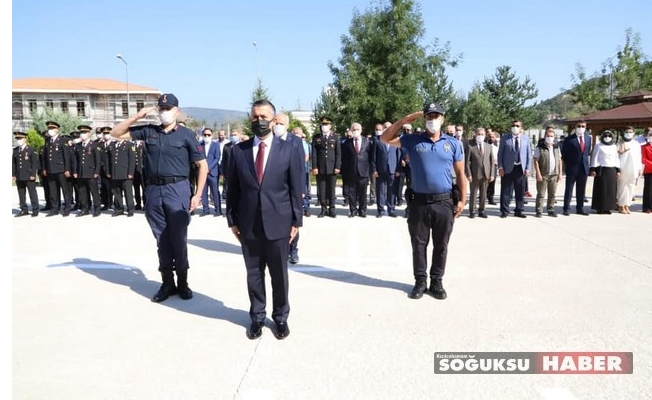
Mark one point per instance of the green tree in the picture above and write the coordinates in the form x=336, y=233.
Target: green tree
x=295, y=123
x=259, y=93
x=478, y=110
x=508, y=96
x=631, y=72
x=68, y=122
x=326, y=105
x=384, y=72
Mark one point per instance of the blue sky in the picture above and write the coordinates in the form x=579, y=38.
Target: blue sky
x=202, y=50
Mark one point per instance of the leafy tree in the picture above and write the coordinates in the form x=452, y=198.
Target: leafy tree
x=68, y=122
x=294, y=123
x=631, y=72
x=508, y=97
x=384, y=72
x=259, y=93
x=478, y=110
x=326, y=105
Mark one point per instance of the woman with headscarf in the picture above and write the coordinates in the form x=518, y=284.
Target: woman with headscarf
x=605, y=168
x=631, y=167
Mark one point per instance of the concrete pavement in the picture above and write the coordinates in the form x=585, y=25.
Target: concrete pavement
x=83, y=326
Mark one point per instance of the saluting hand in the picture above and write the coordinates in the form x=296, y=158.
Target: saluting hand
x=144, y=111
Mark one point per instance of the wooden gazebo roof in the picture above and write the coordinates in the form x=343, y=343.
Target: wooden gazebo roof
x=636, y=110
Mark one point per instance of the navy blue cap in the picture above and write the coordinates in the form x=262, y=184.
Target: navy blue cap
x=84, y=128
x=433, y=107
x=168, y=100
x=52, y=124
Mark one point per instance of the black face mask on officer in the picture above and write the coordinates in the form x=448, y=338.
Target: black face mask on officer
x=260, y=128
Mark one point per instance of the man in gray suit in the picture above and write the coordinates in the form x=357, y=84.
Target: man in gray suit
x=479, y=171
x=514, y=163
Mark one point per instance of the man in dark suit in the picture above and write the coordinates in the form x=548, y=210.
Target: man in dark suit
x=263, y=209
x=357, y=158
x=479, y=171
x=326, y=164
x=514, y=163
x=212, y=152
x=575, y=155
x=383, y=167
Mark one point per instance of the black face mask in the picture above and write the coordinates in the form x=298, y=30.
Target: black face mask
x=260, y=128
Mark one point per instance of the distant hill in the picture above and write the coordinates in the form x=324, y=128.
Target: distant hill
x=214, y=116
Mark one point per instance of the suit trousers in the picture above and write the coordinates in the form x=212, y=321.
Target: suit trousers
x=475, y=185
x=326, y=190
x=27, y=187
x=259, y=254
x=357, y=194
x=512, y=182
x=548, y=184
x=385, y=194
x=212, y=184
x=166, y=211
x=575, y=177
x=424, y=220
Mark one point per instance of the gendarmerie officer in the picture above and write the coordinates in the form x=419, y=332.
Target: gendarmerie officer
x=56, y=158
x=88, y=162
x=75, y=140
x=105, y=143
x=122, y=169
x=169, y=150
x=432, y=203
x=24, y=167
x=326, y=164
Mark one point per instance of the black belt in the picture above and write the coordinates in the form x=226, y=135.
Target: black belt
x=425, y=198
x=164, y=180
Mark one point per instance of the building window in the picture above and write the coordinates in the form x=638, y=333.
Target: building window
x=81, y=108
x=17, y=110
x=64, y=107
x=32, y=107
x=125, y=109
x=49, y=104
x=139, y=105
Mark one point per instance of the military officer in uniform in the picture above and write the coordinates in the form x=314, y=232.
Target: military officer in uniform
x=41, y=177
x=57, y=170
x=326, y=163
x=75, y=138
x=24, y=167
x=123, y=167
x=88, y=161
x=106, y=145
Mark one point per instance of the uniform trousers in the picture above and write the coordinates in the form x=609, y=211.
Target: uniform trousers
x=59, y=184
x=27, y=187
x=88, y=188
x=167, y=212
x=326, y=190
x=424, y=220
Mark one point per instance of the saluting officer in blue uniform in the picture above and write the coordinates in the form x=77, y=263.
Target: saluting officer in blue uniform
x=432, y=201
x=169, y=151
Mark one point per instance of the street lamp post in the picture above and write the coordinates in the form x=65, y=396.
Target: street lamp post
x=127, y=77
x=257, y=69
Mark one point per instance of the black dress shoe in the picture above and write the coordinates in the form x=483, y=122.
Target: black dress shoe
x=418, y=290
x=97, y=213
x=52, y=213
x=46, y=208
x=585, y=213
x=566, y=213
x=437, y=290
x=552, y=214
x=363, y=214
x=282, y=330
x=379, y=215
x=293, y=258
x=306, y=213
x=35, y=213
x=164, y=292
x=255, y=330
x=22, y=213
x=493, y=203
x=104, y=208
x=138, y=207
x=538, y=215
x=351, y=215
x=322, y=214
x=130, y=214
x=184, y=292
x=520, y=215
x=331, y=213
x=392, y=214
x=482, y=215
x=82, y=213
x=503, y=215
x=65, y=213
x=472, y=215
x=117, y=213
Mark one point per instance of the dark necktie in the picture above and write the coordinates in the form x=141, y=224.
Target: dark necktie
x=260, y=159
x=481, y=147
x=357, y=145
x=517, y=147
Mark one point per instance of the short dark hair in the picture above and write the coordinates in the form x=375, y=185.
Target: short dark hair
x=262, y=103
x=207, y=129
x=580, y=121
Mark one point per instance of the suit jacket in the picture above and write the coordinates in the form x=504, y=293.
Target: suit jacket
x=297, y=142
x=276, y=203
x=88, y=160
x=25, y=163
x=224, y=159
x=356, y=165
x=213, y=159
x=479, y=166
x=326, y=153
x=507, y=153
x=385, y=160
x=572, y=155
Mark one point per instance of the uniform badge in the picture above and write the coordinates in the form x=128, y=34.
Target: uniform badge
x=26, y=156
x=200, y=148
x=447, y=148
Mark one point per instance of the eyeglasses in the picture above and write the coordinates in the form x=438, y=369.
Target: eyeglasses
x=516, y=126
x=208, y=135
x=581, y=126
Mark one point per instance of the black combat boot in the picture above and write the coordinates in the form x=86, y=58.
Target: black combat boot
x=437, y=289
x=182, y=285
x=167, y=288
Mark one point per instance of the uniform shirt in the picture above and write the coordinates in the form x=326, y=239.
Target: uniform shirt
x=168, y=154
x=431, y=162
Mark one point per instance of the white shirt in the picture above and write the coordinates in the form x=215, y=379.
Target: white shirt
x=605, y=156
